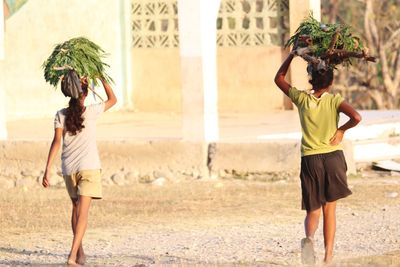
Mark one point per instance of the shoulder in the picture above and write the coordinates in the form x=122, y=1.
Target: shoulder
x=337, y=97
x=59, y=118
x=335, y=100
x=297, y=95
x=95, y=108
x=61, y=112
x=295, y=91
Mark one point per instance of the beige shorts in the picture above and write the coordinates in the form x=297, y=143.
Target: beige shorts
x=84, y=183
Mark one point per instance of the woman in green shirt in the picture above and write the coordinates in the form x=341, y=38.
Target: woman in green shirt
x=323, y=166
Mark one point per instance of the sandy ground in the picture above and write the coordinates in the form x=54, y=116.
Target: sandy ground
x=200, y=223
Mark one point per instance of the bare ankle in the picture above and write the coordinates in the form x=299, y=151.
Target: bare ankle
x=72, y=258
x=328, y=257
x=71, y=262
x=311, y=238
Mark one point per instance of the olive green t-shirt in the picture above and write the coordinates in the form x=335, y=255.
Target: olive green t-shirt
x=319, y=119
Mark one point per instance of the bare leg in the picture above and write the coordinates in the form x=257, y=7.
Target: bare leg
x=329, y=210
x=311, y=223
x=83, y=205
x=307, y=244
x=81, y=258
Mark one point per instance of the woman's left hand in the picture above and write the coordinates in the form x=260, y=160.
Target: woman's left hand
x=337, y=137
x=46, y=180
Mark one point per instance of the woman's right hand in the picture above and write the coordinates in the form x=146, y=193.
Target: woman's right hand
x=84, y=80
x=46, y=179
x=337, y=138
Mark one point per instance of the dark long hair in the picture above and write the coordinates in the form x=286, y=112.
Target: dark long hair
x=73, y=114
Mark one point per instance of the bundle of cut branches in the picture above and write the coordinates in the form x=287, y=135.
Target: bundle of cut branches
x=325, y=46
x=79, y=54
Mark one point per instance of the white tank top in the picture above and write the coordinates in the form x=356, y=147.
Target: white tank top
x=79, y=152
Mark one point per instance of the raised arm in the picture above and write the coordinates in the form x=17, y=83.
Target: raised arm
x=280, y=75
x=55, y=146
x=354, y=119
x=111, y=98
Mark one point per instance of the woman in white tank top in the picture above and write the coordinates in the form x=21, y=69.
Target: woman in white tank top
x=76, y=127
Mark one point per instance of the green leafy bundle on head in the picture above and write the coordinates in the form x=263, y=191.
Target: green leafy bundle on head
x=79, y=54
x=326, y=45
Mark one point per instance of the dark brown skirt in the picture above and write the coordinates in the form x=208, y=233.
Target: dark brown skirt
x=323, y=179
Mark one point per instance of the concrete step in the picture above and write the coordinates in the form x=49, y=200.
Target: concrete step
x=369, y=142
x=376, y=149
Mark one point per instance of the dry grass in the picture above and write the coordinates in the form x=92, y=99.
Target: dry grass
x=40, y=208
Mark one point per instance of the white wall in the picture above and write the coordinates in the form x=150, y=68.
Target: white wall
x=30, y=36
x=3, y=129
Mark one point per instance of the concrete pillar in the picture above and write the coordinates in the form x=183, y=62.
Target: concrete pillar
x=2, y=29
x=298, y=10
x=126, y=48
x=197, y=41
x=3, y=127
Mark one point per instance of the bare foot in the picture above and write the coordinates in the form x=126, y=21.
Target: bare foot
x=81, y=259
x=72, y=263
x=307, y=251
x=328, y=259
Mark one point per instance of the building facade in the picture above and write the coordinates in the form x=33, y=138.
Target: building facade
x=144, y=44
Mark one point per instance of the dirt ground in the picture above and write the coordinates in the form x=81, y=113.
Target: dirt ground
x=200, y=223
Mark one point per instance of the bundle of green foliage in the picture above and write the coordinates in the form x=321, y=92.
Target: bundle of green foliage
x=326, y=45
x=79, y=54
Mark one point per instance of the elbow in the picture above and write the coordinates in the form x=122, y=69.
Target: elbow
x=55, y=144
x=277, y=79
x=111, y=101
x=114, y=101
x=282, y=84
x=357, y=118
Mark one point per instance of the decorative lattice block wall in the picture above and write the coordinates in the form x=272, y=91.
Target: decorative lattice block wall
x=155, y=23
x=240, y=23
x=252, y=22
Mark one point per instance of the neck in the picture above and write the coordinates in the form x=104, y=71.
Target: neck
x=318, y=93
